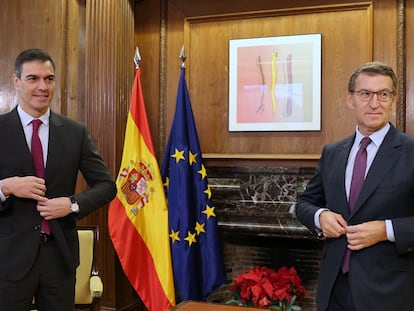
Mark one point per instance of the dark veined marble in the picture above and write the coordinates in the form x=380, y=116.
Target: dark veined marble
x=259, y=200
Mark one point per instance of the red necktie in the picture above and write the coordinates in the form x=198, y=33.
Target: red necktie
x=37, y=155
x=358, y=176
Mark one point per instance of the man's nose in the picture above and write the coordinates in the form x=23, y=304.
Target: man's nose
x=42, y=84
x=374, y=102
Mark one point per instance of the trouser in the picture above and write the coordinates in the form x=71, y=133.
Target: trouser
x=341, y=297
x=49, y=282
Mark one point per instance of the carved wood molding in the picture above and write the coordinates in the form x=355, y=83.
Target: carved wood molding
x=401, y=67
x=282, y=12
x=250, y=156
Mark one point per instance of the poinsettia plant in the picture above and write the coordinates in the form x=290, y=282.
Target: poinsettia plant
x=266, y=288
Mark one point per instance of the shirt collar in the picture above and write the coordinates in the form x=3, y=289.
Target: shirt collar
x=27, y=118
x=376, y=137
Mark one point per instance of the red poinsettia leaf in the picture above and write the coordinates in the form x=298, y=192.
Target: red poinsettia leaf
x=260, y=285
x=253, y=275
x=235, y=287
x=245, y=293
x=281, y=294
x=267, y=287
x=257, y=292
x=264, y=302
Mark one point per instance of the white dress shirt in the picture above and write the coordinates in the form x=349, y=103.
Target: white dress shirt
x=372, y=149
x=26, y=120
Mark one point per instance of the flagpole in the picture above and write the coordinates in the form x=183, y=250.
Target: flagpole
x=183, y=57
x=137, y=57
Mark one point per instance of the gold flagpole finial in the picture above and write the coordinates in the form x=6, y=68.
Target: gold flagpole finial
x=137, y=57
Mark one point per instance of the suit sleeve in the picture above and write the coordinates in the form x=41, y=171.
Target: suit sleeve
x=404, y=234
x=102, y=188
x=312, y=199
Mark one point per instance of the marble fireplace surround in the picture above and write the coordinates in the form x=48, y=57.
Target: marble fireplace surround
x=255, y=213
x=259, y=201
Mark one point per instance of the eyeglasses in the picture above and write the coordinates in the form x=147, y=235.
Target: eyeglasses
x=382, y=96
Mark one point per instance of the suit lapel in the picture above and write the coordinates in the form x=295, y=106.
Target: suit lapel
x=18, y=141
x=56, y=144
x=388, y=153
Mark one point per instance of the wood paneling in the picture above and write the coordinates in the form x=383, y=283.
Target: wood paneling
x=206, y=40
x=147, y=38
x=30, y=24
x=108, y=76
x=92, y=44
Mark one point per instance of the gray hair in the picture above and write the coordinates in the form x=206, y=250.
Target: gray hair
x=372, y=69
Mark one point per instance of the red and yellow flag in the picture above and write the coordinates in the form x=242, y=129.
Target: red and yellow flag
x=138, y=216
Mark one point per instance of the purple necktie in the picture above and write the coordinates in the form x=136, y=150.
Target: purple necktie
x=37, y=156
x=358, y=176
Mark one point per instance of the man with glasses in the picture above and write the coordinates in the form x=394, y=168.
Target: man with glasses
x=361, y=202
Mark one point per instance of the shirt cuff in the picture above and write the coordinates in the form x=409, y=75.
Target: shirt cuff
x=2, y=196
x=316, y=217
x=390, y=230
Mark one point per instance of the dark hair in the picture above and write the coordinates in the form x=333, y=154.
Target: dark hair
x=28, y=56
x=372, y=69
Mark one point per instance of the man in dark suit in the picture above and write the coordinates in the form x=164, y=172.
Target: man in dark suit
x=39, y=249
x=378, y=233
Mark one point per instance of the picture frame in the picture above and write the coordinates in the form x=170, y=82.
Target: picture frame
x=275, y=83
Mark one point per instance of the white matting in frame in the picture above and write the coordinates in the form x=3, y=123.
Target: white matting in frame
x=275, y=83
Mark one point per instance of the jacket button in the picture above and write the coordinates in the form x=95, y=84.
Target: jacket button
x=37, y=227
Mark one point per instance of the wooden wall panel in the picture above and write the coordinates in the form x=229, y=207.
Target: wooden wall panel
x=108, y=77
x=92, y=44
x=385, y=36
x=30, y=24
x=206, y=40
x=147, y=38
x=93, y=41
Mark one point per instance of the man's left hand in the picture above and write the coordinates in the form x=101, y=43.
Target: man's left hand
x=54, y=208
x=366, y=234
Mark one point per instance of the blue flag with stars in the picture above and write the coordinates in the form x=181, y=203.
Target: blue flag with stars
x=197, y=259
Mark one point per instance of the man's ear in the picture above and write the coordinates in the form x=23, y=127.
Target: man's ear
x=350, y=101
x=16, y=81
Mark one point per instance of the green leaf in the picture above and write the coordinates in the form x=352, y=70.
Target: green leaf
x=234, y=302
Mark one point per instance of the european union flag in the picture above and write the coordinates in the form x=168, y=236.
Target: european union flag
x=196, y=249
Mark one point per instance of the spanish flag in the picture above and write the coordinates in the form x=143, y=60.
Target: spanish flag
x=138, y=216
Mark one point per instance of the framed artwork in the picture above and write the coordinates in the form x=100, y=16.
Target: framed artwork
x=275, y=83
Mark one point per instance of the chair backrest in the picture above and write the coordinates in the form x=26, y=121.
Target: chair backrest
x=89, y=287
x=88, y=237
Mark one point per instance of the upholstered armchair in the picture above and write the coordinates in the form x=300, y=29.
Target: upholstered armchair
x=89, y=286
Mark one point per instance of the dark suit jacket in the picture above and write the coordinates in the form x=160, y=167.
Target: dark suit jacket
x=70, y=150
x=381, y=276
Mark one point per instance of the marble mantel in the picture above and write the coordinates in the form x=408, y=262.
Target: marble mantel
x=259, y=201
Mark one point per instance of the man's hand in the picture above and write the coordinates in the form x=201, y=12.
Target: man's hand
x=332, y=224
x=28, y=187
x=54, y=208
x=366, y=234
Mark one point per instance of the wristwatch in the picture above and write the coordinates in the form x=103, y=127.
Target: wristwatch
x=74, y=205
